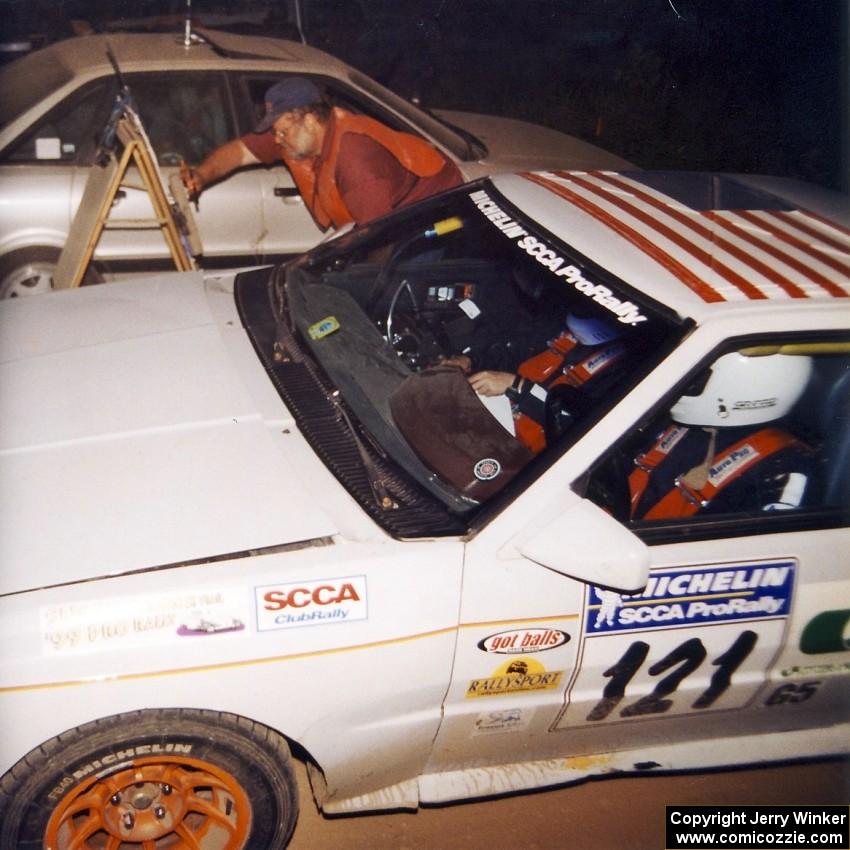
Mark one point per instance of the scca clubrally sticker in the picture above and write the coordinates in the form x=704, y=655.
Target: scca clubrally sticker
x=515, y=676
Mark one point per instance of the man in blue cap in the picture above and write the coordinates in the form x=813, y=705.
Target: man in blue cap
x=348, y=167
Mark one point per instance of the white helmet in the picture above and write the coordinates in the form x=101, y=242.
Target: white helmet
x=590, y=331
x=743, y=390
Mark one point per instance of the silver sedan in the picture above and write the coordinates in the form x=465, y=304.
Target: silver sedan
x=191, y=98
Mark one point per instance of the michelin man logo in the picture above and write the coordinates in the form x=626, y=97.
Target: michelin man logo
x=610, y=602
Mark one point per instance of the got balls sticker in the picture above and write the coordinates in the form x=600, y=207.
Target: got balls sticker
x=487, y=469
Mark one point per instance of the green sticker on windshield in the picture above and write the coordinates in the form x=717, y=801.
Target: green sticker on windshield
x=323, y=328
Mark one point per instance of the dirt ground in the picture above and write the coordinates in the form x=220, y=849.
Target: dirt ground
x=610, y=814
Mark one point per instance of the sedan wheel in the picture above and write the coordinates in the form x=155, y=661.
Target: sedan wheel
x=29, y=271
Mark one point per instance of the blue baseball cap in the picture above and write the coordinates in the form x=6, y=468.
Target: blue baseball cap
x=291, y=93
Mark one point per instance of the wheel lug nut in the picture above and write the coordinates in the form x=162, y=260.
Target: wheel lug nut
x=115, y=799
x=159, y=812
x=128, y=820
x=166, y=789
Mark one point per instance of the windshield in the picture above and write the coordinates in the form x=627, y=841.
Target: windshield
x=465, y=343
x=463, y=144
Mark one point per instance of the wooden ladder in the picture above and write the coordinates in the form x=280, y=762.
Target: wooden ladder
x=173, y=219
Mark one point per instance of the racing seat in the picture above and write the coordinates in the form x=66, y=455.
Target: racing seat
x=837, y=443
x=822, y=417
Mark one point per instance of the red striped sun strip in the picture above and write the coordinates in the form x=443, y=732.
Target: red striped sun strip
x=681, y=271
x=643, y=207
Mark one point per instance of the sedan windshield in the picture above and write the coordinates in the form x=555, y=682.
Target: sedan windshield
x=463, y=343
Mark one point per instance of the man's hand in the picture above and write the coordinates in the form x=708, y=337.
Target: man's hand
x=191, y=181
x=491, y=383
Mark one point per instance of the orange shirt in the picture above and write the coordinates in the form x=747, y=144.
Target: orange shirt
x=359, y=175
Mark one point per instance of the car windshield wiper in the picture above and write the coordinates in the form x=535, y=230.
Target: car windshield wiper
x=286, y=347
x=477, y=148
x=202, y=36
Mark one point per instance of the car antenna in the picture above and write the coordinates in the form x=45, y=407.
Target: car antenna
x=123, y=99
x=187, y=30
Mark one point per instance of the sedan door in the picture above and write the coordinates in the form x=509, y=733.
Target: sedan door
x=187, y=115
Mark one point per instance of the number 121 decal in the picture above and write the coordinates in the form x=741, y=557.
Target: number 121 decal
x=682, y=661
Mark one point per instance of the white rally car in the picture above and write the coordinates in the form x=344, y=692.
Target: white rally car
x=627, y=552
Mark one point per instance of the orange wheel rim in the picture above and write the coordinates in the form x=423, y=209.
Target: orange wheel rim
x=151, y=804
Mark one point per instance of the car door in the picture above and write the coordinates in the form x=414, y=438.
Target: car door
x=187, y=115
x=288, y=227
x=517, y=651
x=41, y=169
x=738, y=628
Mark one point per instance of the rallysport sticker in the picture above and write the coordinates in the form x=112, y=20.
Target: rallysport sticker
x=517, y=676
x=677, y=598
x=310, y=603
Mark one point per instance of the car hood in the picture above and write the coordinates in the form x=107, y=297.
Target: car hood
x=519, y=146
x=138, y=431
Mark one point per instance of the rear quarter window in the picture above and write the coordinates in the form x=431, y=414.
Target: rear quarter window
x=76, y=123
x=28, y=81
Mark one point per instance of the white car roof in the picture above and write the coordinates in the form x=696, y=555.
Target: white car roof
x=699, y=242
x=65, y=65
x=144, y=51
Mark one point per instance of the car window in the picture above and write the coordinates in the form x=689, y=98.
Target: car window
x=255, y=86
x=759, y=436
x=186, y=115
x=27, y=81
x=69, y=132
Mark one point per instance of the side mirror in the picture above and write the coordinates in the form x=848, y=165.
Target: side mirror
x=585, y=543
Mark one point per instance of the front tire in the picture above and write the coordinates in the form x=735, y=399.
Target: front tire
x=160, y=778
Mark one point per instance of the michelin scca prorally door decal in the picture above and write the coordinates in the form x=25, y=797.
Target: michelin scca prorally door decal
x=694, y=639
x=674, y=598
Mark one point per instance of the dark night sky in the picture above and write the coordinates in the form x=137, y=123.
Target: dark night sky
x=748, y=85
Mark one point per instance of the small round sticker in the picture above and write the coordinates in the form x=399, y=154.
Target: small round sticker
x=487, y=469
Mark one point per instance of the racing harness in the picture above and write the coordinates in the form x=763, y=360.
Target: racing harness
x=564, y=362
x=695, y=490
